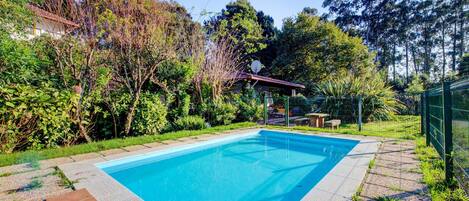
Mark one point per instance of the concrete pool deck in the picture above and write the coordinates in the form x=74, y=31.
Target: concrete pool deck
x=341, y=183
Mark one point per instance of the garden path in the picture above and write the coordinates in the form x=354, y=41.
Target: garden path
x=395, y=174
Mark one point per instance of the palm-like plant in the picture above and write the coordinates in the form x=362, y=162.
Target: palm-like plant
x=340, y=98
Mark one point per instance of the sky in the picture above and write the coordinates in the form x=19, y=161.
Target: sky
x=278, y=9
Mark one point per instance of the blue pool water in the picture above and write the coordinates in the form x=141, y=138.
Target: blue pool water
x=266, y=165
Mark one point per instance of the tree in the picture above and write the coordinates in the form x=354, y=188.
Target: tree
x=240, y=24
x=312, y=51
x=138, y=42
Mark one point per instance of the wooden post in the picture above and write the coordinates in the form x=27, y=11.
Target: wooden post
x=448, y=130
x=360, y=113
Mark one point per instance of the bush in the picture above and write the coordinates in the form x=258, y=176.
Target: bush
x=189, y=123
x=219, y=112
x=341, y=98
x=250, y=107
x=150, y=117
x=34, y=118
x=300, y=105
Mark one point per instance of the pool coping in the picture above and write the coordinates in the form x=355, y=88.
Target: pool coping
x=340, y=183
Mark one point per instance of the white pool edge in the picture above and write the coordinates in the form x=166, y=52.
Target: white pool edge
x=340, y=183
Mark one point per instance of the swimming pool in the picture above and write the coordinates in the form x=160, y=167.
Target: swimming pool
x=263, y=165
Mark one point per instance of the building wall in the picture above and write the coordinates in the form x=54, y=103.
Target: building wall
x=45, y=26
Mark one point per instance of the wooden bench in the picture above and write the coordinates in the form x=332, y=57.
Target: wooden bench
x=332, y=123
x=302, y=121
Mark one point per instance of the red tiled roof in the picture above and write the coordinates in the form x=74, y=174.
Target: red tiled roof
x=50, y=16
x=268, y=80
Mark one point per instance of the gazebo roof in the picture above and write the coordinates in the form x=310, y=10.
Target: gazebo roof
x=269, y=81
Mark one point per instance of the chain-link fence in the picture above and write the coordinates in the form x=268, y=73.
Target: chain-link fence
x=445, y=122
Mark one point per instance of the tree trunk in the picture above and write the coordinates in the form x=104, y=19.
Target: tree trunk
x=461, y=28
x=131, y=113
x=443, y=49
x=407, y=61
x=455, y=35
x=394, y=63
x=414, y=61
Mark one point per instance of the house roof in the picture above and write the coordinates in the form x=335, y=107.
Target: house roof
x=269, y=81
x=51, y=16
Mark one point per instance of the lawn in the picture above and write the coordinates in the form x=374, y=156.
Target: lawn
x=34, y=155
x=401, y=127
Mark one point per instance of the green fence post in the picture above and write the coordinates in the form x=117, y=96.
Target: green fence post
x=360, y=105
x=287, y=113
x=448, y=130
x=427, y=118
x=265, y=108
x=422, y=114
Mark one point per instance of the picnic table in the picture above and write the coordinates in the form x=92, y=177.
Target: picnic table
x=317, y=119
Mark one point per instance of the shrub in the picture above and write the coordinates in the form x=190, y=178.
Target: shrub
x=34, y=118
x=249, y=107
x=340, y=98
x=300, y=105
x=219, y=112
x=189, y=123
x=150, y=117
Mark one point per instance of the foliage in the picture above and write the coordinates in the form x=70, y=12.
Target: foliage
x=464, y=67
x=218, y=112
x=150, y=117
x=249, y=106
x=18, y=61
x=15, y=158
x=415, y=87
x=300, y=105
x=409, y=37
x=311, y=51
x=219, y=70
x=14, y=16
x=35, y=118
x=189, y=123
x=341, y=98
x=175, y=78
x=434, y=175
x=238, y=22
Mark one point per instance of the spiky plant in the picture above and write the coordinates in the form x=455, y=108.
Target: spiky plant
x=340, y=98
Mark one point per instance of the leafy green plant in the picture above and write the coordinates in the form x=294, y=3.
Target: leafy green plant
x=219, y=112
x=341, y=98
x=34, y=118
x=151, y=114
x=189, y=123
x=300, y=105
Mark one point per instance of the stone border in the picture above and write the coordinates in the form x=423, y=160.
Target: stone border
x=340, y=183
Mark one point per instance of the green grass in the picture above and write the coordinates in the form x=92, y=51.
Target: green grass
x=64, y=181
x=432, y=168
x=33, y=156
x=401, y=127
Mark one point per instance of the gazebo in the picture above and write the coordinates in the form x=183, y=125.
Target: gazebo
x=270, y=82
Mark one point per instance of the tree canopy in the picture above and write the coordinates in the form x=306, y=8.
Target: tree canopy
x=311, y=51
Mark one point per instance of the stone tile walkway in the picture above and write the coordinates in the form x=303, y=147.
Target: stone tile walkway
x=396, y=174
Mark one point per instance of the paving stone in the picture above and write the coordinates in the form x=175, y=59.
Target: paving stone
x=87, y=156
x=135, y=148
x=54, y=162
x=395, y=174
x=111, y=152
x=154, y=144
